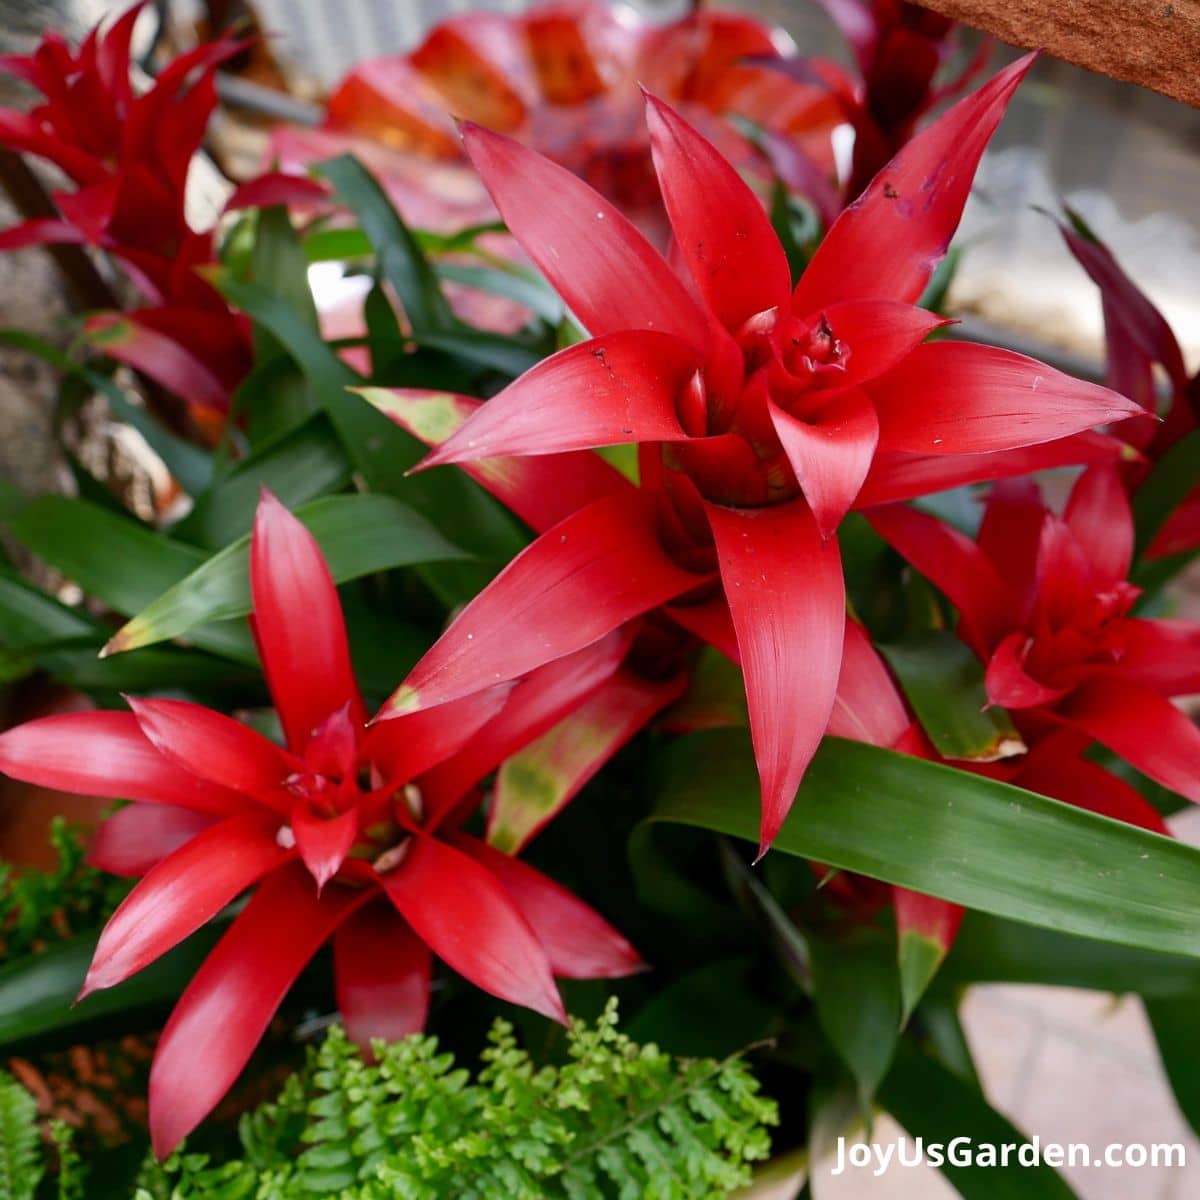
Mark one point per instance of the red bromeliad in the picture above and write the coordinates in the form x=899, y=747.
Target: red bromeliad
x=335, y=832
x=128, y=156
x=1044, y=602
x=763, y=413
x=1139, y=339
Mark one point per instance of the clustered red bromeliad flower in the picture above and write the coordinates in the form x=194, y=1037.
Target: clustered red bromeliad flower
x=763, y=412
x=334, y=831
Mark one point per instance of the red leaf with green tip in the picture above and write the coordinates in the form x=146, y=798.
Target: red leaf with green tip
x=785, y=590
x=183, y=892
x=230, y=1002
x=536, y=783
x=926, y=928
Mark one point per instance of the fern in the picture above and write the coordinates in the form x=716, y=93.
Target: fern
x=617, y=1120
x=21, y=1167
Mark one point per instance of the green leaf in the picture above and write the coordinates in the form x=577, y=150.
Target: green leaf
x=401, y=259
x=943, y=681
x=28, y=617
x=1174, y=477
x=525, y=287
x=857, y=994
x=952, y=834
x=991, y=950
x=507, y=355
x=919, y=958
x=1173, y=1020
x=117, y=561
x=278, y=264
x=37, y=993
x=936, y=1105
x=358, y=534
x=299, y=467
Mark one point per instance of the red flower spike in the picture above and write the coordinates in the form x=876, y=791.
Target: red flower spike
x=347, y=801
x=463, y=914
x=579, y=943
x=225, y=1009
x=139, y=836
x=380, y=994
x=181, y=893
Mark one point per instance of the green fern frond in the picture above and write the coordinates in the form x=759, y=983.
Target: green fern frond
x=21, y=1167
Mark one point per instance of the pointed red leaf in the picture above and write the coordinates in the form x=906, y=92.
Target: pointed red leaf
x=785, y=590
x=225, y=1009
x=536, y=783
x=609, y=275
x=1141, y=726
x=182, y=892
x=962, y=398
x=876, y=335
x=578, y=941
x=298, y=625
x=616, y=389
x=139, y=836
x=40, y=231
x=402, y=746
x=830, y=452
x=1162, y=654
x=277, y=187
x=381, y=970
x=721, y=229
x=106, y=754
x=868, y=706
x=926, y=928
x=904, y=476
x=955, y=565
x=889, y=241
x=542, y=490
x=536, y=704
x=215, y=747
x=463, y=914
x=160, y=357
x=584, y=578
x=323, y=842
x=1099, y=516
x=1009, y=684
x=710, y=621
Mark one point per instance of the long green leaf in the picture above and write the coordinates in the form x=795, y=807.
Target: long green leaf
x=28, y=617
x=952, y=834
x=359, y=534
x=936, y=1105
x=943, y=681
x=1173, y=1020
x=1173, y=478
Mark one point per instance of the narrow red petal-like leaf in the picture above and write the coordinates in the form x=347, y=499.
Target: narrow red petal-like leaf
x=462, y=913
x=402, y=746
x=162, y=358
x=536, y=783
x=952, y=563
x=1181, y=531
x=536, y=704
x=1099, y=516
x=877, y=334
x=889, y=241
x=382, y=975
x=721, y=229
x=298, y=625
x=1087, y=785
x=582, y=579
x=905, y=476
x=578, y=941
x=830, y=453
x=19, y=131
x=1009, y=684
x=785, y=590
x=616, y=389
x=963, y=398
x=1141, y=726
x=710, y=621
x=609, y=275
x=228, y=1005
x=139, y=836
x=107, y=754
x=323, y=842
x=215, y=747
x=182, y=892
x=542, y=490
x=868, y=706
x=1010, y=534
x=1162, y=654
x=40, y=231
x=277, y=187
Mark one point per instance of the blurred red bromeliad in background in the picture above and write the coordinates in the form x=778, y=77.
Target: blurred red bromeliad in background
x=334, y=832
x=563, y=78
x=1044, y=602
x=763, y=414
x=1139, y=340
x=128, y=157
